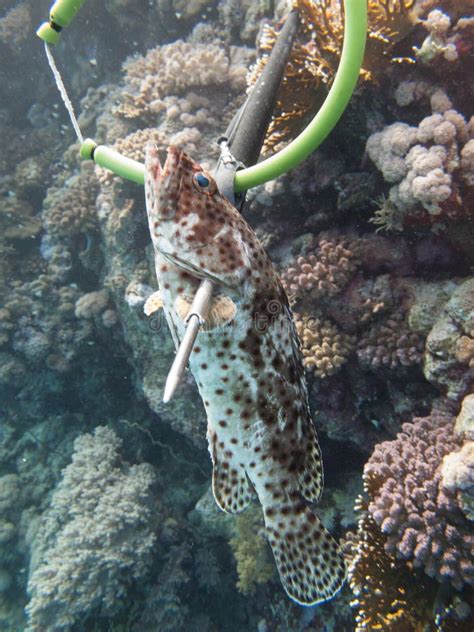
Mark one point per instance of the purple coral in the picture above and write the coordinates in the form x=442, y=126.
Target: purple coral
x=421, y=519
x=390, y=344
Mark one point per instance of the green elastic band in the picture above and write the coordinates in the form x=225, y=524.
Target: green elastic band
x=355, y=30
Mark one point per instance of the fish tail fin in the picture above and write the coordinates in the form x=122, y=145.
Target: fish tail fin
x=309, y=561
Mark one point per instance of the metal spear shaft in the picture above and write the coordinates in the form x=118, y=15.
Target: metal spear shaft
x=196, y=317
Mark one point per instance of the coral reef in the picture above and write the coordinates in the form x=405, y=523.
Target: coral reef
x=324, y=347
x=429, y=167
x=389, y=594
x=96, y=538
x=69, y=209
x=252, y=555
x=315, y=55
x=449, y=346
x=385, y=319
x=421, y=518
x=321, y=274
x=171, y=70
x=390, y=344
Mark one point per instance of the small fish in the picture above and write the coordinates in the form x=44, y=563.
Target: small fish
x=248, y=368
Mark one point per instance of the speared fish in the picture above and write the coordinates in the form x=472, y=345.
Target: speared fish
x=248, y=368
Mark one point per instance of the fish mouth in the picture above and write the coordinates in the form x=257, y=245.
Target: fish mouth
x=173, y=162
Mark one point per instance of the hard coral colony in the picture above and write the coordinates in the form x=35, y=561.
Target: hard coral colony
x=106, y=516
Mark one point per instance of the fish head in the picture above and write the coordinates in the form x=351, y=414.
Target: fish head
x=181, y=201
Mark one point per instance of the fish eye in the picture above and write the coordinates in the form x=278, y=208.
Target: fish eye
x=204, y=183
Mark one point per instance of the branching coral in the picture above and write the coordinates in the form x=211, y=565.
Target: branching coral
x=322, y=273
x=325, y=349
x=390, y=344
x=421, y=519
x=388, y=594
x=95, y=539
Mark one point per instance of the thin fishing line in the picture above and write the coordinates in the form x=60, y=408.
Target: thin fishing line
x=63, y=93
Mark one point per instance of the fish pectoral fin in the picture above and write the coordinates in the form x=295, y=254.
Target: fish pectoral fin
x=222, y=311
x=311, y=477
x=230, y=485
x=153, y=303
x=310, y=564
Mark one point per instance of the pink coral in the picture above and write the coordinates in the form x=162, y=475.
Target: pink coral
x=421, y=519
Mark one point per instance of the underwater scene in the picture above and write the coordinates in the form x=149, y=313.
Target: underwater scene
x=221, y=414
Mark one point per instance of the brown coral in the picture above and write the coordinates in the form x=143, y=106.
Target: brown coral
x=322, y=273
x=315, y=56
x=390, y=344
x=169, y=69
x=70, y=210
x=325, y=349
x=389, y=594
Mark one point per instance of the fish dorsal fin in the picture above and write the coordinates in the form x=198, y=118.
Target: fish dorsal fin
x=311, y=477
x=153, y=303
x=230, y=484
x=309, y=561
x=222, y=311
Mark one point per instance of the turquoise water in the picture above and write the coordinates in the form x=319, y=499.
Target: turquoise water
x=107, y=516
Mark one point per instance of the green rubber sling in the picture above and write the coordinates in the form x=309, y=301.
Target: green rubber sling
x=319, y=128
x=355, y=29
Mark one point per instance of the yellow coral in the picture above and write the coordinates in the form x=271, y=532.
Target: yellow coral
x=251, y=552
x=388, y=594
x=325, y=349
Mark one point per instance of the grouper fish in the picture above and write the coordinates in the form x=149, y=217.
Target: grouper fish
x=248, y=368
